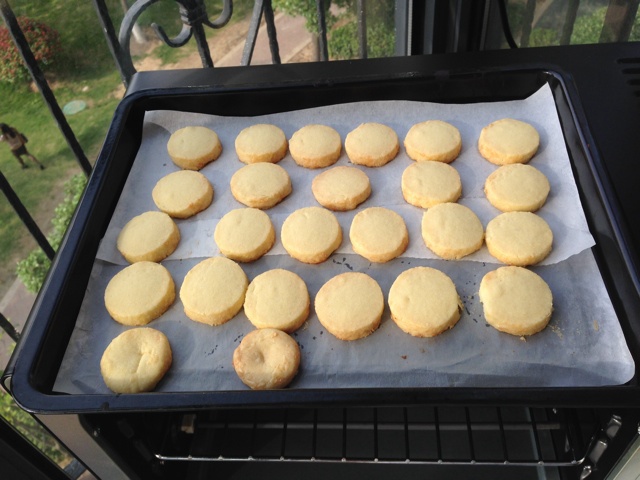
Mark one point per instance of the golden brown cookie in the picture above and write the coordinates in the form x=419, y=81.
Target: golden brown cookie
x=372, y=145
x=151, y=236
x=260, y=185
x=244, y=234
x=311, y=234
x=213, y=291
x=517, y=187
x=516, y=300
x=261, y=143
x=519, y=238
x=266, y=359
x=350, y=305
x=424, y=302
x=192, y=148
x=425, y=184
x=508, y=141
x=378, y=234
x=315, y=146
x=182, y=194
x=277, y=299
x=452, y=231
x=341, y=188
x=433, y=140
x=136, y=360
x=139, y=293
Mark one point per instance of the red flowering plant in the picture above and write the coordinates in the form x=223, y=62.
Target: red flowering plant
x=43, y=40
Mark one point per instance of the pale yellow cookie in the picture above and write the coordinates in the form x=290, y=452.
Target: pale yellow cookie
x=350, y=305
x=136, y=360
x=424, y=302
x=372, y=145
x=151, y=236
x=519, y=238
x=213, y=291
x=245, y=234
x=517, y=187
x=311, y=234
x=182, y=194
x=139, y=293
x=378, y=234
x=192, y=148
x=277, y=299
x=341, y=188
x=260, y=185
x=516, y=300
x=508, y=141
x=261, y=143
x=315, y=146
x=452, y=231
x=266, y=359
x=425, y=184
x=433, y=140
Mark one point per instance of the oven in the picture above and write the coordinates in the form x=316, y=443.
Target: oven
x=566, y=427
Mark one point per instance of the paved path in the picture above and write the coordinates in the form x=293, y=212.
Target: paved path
x=15, y=306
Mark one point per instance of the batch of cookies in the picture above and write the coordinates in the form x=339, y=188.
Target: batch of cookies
x=423, y=301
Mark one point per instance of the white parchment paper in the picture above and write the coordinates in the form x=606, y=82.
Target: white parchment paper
x=583, y=345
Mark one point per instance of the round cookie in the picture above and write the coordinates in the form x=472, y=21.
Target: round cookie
x=341, y=188
x=139, y=293
x=311, y=234
x=428, y=183
x=182, y=194
x=277, y=299
x=266, y=359
x=519, y=238
x=452, y=231
x=136, y=360
x=260, y=185
x=350, y=305
x=378, y=234
x=372, y=145
x=424, y=302
x=244, y=234
x=261, y=143
x=213, y=291
x=433, y=140
x=517, y=187
x=315, y=146
x=151, y=236
x=192, y=148
x=516, y=300
x=508, y=141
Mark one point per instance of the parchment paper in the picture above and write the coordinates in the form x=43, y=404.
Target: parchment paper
x=583, y=345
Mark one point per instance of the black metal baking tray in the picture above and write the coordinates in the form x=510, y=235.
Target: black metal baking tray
x=31, y=373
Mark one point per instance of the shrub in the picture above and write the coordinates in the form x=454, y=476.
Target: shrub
x=43, y=40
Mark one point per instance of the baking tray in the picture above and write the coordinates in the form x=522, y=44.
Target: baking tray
x=32, y=372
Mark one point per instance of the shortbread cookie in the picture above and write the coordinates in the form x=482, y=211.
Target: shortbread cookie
x=136, y=360
x=519, y=238
x=433, y=140
x=260, y=185
x=266, y=359
x=213, y=291
x=378, y=234
x=516, y=300
x=315, y=146
x=151, y=236
x=452, y=231
x=424, y=302
x=245, y=234
x=182, y=194
x=350, y=305
x=508, y=141
x=341, y=188
x=192, y=148
x=139, y=293
x=428, y=183
x=517, y=187
x=372, y=145
x=277, y=299
x=261, y=143
x=311, y=234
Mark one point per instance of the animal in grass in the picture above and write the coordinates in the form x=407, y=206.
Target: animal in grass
x=18, y=144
